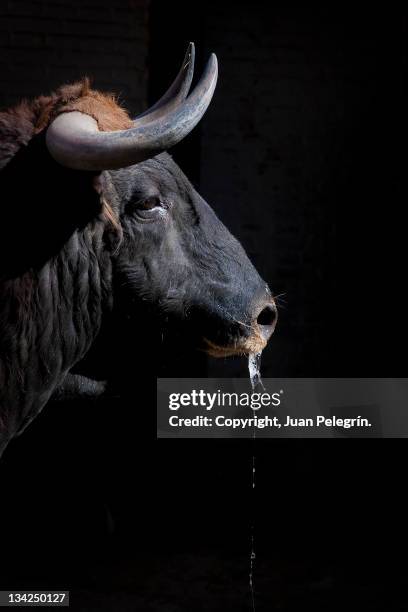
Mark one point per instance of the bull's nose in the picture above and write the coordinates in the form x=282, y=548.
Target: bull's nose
x=266, y=320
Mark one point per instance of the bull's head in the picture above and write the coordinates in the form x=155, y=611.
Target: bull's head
x=175, y=254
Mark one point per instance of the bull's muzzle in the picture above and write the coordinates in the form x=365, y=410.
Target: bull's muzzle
x=254, y=337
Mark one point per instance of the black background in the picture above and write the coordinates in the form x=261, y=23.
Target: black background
x=91, y=501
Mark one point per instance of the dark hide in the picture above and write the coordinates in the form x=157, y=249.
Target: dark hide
x=125, y=247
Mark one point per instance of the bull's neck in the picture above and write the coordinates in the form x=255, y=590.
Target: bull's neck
x=50, y=319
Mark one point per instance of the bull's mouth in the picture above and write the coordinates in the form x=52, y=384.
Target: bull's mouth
x=254, y=344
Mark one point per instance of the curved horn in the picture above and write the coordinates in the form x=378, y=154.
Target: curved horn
x=73, y=138
x=176, y=93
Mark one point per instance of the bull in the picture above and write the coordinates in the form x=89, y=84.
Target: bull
x=98, y=221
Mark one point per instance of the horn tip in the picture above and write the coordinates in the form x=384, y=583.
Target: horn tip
x=189, y=57
x=213, y=61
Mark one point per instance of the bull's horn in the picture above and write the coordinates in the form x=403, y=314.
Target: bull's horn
x=73, y=138
x=176, y=93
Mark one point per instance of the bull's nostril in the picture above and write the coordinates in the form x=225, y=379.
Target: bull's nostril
x=267, y=316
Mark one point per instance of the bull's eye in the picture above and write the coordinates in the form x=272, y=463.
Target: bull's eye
x=150, y=208
x=149, y=203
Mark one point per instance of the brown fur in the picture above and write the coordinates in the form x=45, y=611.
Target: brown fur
x=103, y=108
x=80, y=97
x=19, y=124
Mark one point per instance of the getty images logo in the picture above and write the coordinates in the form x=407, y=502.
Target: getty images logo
x=209, y=401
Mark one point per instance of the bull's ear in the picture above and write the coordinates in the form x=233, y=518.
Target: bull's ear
x=98, y=183
x=113, y=229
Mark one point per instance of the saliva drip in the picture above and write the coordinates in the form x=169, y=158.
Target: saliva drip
x=254, y=367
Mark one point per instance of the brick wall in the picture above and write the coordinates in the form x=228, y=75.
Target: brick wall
x=45, y=43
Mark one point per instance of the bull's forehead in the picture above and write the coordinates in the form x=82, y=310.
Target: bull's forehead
x=157, y=176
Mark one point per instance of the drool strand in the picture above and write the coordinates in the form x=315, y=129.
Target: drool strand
x=254, y=367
